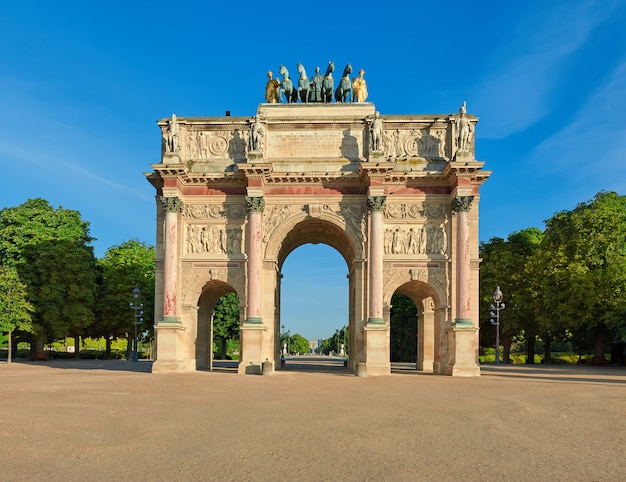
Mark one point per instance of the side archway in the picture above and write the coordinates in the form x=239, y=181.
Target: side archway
x=427, y=295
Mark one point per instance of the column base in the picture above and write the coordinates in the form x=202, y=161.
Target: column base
x=251, y=360
x=376, y=341
x=170, y=355
x=462, y=352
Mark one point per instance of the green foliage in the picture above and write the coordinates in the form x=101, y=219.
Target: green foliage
x=122, y=268
x=226, y=320
x=506, y=263
x=15, y=309
x=403, y=320
x=582, y=269
x=299, y=344
x=50, y=250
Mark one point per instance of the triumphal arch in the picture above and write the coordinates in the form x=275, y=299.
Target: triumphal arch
x=396, y=195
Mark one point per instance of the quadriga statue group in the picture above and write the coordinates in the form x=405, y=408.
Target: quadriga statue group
x=319, y=88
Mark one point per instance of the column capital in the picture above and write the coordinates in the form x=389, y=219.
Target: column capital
x=462, y=204
x=171, y=204
x=376, y=203
x=255, y=204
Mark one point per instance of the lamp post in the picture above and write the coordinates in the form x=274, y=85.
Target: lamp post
x=137, y=307
x=495, y=312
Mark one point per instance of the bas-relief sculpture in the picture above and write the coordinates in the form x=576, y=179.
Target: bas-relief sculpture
x=426, y=239
x=440, y=139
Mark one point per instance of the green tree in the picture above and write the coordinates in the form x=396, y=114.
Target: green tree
x=51, y=252
x=403, y=321
x=508, y=264
x=583, y=269
x=299, y=344
x=15, y=310
x=226, y=321
x=122, y=268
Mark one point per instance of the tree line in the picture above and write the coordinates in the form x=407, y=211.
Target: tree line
x=52, y=286
x=566, y=283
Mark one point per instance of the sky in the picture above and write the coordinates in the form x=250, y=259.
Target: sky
x=84, y=83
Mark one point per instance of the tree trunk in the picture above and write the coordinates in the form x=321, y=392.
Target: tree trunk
x=223, y=355
x=506, y=348
x=600, y=344
x=530, y=349
x=129, y=348
x=38, y=353
x=77, y=347
x=13, y=345
x=9, y=347
x=547, y=357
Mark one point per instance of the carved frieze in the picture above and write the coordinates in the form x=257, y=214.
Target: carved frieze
x=214, y=211
x=429, y=239
x=416, y=211
x=428, y=142
x=213, y=239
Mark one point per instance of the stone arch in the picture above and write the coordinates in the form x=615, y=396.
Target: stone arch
x=327, y=228
x=197, y=280
x=210, y=293
x=428, y=294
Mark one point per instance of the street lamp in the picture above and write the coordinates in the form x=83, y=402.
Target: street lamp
x=137, y=307
x=495, y=312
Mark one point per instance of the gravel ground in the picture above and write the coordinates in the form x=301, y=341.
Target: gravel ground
x=114, y=420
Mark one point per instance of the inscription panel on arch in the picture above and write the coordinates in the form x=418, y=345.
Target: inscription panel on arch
x=327, y=144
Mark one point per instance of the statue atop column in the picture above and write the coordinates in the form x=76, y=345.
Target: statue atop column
x=172, y=143
x=376, y=133
x=256, y=132
x=465, y=130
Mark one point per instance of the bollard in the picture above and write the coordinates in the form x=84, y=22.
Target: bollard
x=268, y=367
x=361, y=369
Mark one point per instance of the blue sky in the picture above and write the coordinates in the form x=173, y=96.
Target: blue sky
x=84, y=83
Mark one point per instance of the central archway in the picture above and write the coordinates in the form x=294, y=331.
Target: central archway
x=315, y=231
x=314, y=307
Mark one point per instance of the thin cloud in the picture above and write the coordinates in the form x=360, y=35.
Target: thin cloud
x=517, y=94
x=592, y=147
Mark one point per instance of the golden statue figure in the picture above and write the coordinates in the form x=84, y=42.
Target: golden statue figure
x=271, y=89
x=359, y=88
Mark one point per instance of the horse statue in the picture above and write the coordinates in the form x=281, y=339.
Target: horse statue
x=303, y=84
x=345, y=86
x=287, y=88
x=328, y=84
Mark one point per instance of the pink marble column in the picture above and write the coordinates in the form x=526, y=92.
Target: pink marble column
x=172, y=206
x=376, y=204
x=255, y=263
x=461, y=206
